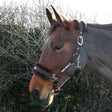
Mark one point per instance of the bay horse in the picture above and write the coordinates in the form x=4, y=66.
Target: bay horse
x=70, y=45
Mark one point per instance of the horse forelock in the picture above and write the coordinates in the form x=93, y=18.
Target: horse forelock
x=53, y=28
x=66, y=25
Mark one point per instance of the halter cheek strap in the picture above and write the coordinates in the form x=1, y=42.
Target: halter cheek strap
x=47, y=74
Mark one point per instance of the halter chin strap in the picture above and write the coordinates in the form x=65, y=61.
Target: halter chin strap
x=47, y=74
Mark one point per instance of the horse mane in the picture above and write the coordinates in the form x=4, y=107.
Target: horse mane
x=103, y=26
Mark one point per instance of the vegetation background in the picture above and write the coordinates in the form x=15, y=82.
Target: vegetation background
x=22, y=33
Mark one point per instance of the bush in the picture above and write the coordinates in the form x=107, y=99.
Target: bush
x=20, y=47
x=17, y=55
x=85, y=92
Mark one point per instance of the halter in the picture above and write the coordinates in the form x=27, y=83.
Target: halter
x=47, y=74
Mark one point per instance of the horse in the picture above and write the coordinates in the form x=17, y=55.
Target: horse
x=70, y=46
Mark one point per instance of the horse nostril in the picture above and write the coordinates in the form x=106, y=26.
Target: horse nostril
x=35, y=94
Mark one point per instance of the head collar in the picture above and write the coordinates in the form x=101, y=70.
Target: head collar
x=47, y=74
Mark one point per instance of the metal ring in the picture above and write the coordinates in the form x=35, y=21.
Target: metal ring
x=53, y=78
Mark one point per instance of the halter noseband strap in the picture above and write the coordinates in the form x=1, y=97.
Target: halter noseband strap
x=42, y=71
x=47, y=74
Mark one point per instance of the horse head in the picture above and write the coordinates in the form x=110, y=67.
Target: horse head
x=57, y=52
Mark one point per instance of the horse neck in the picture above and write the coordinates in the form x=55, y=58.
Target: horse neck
x=98, y=43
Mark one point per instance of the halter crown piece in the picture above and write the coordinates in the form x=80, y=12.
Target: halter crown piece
x=47, y=74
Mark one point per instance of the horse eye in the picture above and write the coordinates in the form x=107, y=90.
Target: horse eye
x=57, y=47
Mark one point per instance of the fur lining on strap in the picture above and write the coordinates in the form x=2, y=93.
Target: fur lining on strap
x=42, y=71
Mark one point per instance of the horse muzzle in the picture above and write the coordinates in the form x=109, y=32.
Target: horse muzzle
x=43, y=102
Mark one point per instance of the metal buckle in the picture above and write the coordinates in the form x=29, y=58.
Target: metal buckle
x=53, y=78
x=78, y=62
x=80, y=40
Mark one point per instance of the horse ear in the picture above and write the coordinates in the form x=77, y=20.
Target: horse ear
x=57, y=15
x=50, y=17
x=76, y=24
